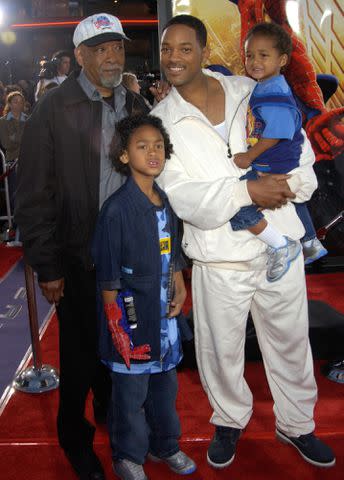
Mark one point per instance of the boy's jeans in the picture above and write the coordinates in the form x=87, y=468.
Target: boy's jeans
x=142, y=415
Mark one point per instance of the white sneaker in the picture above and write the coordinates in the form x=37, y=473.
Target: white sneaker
x=178, y=463
x=314, y=251
x=279, y=259
x=127, y=470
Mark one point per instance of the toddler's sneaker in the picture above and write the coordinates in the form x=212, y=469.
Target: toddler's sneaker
x=179, y=463
x=313, y=250
x=279, y=259
x=127, y=470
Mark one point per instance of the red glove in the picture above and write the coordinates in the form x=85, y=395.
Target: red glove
x=120, y=337
x=326, y=133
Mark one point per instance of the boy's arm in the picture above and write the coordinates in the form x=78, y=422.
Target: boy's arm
x=120, y=337
x=179, y=295
x=109, y=296
x=244, y=160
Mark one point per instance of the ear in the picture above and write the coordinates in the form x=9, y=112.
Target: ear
x=124, y=158
x=78, y=55
x=205, y=54
x=284, y=60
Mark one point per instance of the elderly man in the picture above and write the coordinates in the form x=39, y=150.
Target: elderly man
x=64, y=176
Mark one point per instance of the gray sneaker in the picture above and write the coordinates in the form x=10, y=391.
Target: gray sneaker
x=315, y=251
x=178, y=463
x=279, y=259
x=127, y=470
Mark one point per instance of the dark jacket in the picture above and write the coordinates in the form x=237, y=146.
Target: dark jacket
x=57, y=199
x=126, y=251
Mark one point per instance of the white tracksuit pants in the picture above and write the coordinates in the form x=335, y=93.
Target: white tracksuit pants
x=221, y=301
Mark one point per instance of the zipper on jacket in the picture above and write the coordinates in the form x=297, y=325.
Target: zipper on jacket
x=229, y=152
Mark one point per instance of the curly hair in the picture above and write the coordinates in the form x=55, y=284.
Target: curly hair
x=276, y=32
x=125, y=129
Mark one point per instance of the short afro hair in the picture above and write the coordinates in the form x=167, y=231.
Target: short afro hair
x=124, y=130
x=192, y=22
x=276, y=32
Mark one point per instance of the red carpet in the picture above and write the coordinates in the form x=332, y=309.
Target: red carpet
x=8, y=257
x=28, y=441
x=29, y=450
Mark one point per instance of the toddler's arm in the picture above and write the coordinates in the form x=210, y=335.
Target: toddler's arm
x=244, y=160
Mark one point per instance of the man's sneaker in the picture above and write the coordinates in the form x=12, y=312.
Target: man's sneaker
x=178, y=463
x=311, y=448
x=314, y=251
x=279, y=259
x=127, y=470
x=221, y=451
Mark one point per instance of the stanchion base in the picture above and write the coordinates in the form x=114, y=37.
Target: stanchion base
x=37, y=380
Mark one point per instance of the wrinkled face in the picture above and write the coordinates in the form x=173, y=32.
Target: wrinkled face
x=181, y=55
x=64, y=66
x=145, y=153
x=103, y=64
x=262, y=59
x=16, y=104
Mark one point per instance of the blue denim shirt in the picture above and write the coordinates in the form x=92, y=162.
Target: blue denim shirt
x=126, y=252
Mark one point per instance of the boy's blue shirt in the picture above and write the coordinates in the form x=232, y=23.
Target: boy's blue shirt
x=273, y=113
x=126, y=252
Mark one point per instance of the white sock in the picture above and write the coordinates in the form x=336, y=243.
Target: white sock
x=308, y=243
x=272, y=237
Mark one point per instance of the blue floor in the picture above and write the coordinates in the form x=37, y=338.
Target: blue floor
x=15, y=338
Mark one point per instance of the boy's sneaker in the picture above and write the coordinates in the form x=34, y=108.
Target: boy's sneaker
x=313, y=251
x=311, y=448
x=127, y=470
x=279, y=259
x=178, y=463
x=221, y=451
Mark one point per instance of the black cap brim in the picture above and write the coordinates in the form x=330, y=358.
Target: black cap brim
x=102, y=38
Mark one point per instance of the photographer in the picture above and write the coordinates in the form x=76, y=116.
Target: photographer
x=55, y=70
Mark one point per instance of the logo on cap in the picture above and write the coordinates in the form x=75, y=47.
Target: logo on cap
x=102, y=22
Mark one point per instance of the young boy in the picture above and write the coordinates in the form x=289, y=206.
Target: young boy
x=275, y=138
x=137, y=256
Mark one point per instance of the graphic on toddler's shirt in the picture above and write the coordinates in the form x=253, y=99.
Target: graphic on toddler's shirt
x=254, y=128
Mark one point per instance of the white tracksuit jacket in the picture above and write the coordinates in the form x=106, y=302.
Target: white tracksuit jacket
x=203, y=185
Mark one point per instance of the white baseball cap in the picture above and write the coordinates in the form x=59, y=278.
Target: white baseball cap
x=98, y=28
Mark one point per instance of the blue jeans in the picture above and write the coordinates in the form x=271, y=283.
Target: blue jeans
x=142, y=416
x=247, y=216
x=303, y=214
x=250, y=216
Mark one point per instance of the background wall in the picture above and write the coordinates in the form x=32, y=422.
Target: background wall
x=318, y=23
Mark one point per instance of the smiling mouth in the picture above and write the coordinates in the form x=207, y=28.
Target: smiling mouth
x=175, y=69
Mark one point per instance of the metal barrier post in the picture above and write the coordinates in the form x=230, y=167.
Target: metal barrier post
x=8, y=215
x=38, y=378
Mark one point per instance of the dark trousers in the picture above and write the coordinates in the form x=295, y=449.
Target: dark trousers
x=80, y=367
x=143, y=417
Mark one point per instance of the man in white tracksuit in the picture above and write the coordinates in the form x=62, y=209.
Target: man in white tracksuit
x=205, y=115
